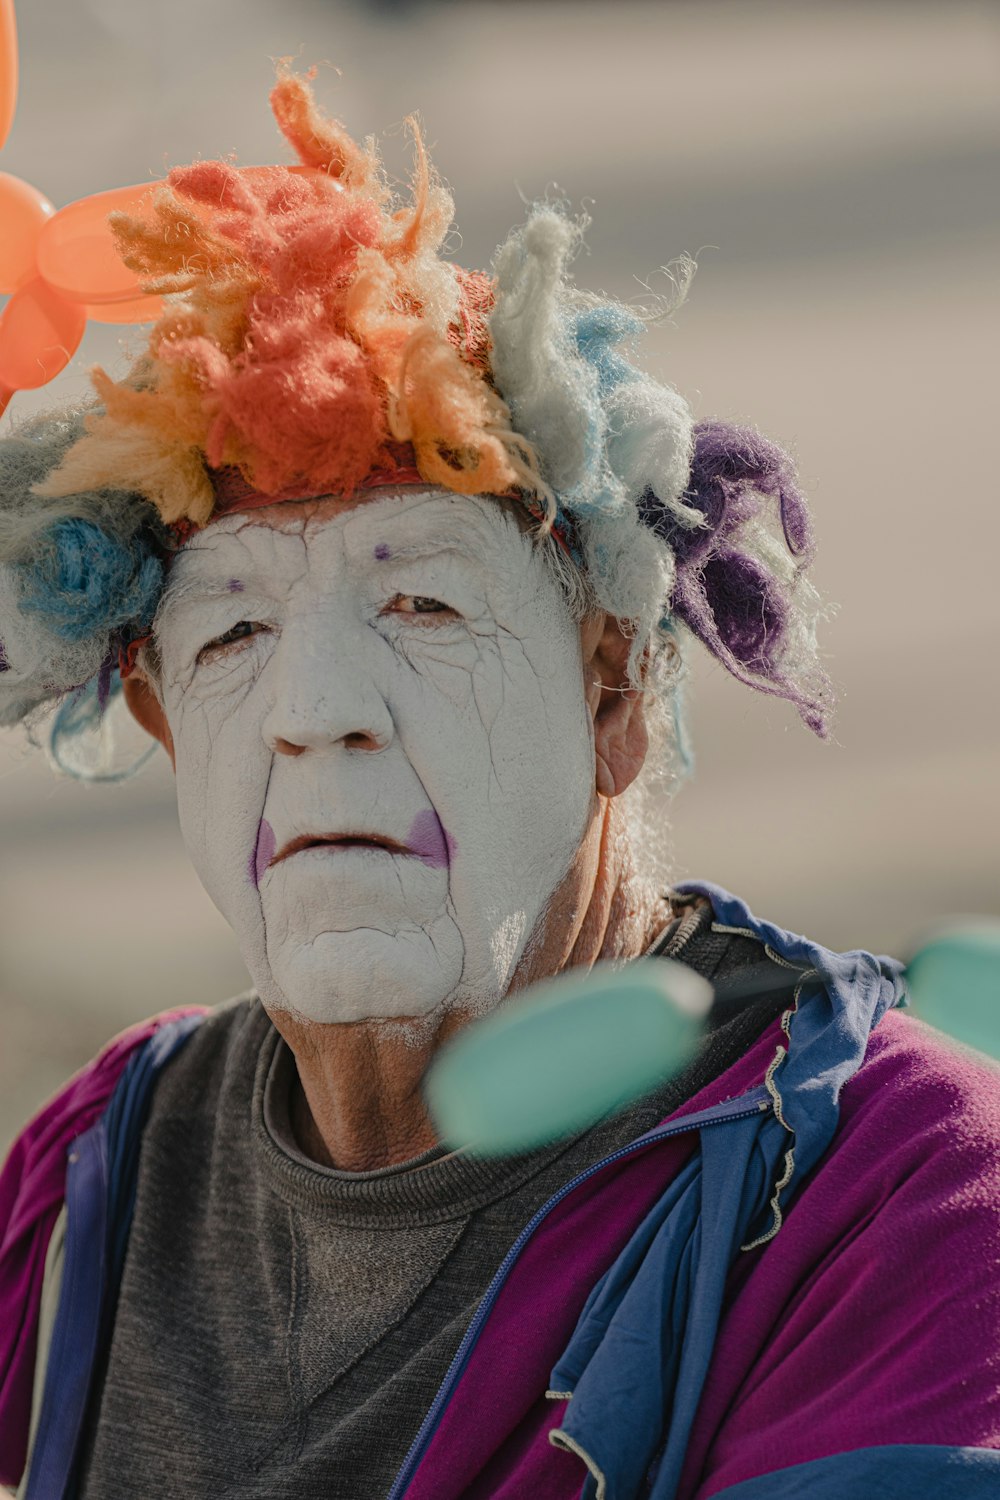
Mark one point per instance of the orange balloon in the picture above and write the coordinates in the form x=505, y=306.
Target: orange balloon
x=8, y=68
x=144, y=309
x=23, y=211
x=76, y=252
x=39, y=334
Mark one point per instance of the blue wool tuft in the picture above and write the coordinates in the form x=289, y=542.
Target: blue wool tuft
x=598, y=331
x=594, y=333
x=81, y=712
x=78, y=743
x=86, y=582
x=603, y=431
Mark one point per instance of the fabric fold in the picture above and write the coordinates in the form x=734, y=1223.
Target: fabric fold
x=637, y=1362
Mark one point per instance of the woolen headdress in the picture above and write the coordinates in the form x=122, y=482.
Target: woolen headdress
x=315, y=340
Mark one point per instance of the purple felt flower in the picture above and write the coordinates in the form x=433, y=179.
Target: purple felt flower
x=727, y=596
x=747, y=606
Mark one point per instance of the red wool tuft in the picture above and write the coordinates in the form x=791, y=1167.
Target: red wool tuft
x=307, y=406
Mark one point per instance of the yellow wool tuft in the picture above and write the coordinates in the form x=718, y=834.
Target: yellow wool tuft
x=172, y=477
x=444, y=409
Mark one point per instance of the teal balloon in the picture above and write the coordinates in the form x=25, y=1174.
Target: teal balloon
x=954, y=982
x=564, y=1054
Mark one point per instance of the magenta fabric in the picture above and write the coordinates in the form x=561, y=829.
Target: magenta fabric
x=491, y=1441
x=31, y=1195
x=866, y=1321
x=872, y=1318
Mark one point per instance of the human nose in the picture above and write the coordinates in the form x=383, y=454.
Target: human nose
x=325, y=697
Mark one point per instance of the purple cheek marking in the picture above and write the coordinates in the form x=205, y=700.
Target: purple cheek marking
x=430, y=841
x=263, y=853
x=235, y=586
x=383, y=551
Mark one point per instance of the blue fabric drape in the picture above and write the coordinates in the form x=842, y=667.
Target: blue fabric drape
x=101, y=1181
x=636, y=1364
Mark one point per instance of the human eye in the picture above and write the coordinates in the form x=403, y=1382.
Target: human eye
x=232, y=640
x=419, y=604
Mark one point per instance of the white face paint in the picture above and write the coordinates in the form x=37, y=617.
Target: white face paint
x=385, y=761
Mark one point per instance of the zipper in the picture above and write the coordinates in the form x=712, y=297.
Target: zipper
x=757, y=1101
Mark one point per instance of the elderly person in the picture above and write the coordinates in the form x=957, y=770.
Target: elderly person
x=398, y=563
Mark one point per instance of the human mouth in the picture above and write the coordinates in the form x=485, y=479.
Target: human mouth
x=427, y=840
x=339, y=841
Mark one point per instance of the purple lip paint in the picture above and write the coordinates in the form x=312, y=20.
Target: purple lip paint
x=235, y=586
x=430, y=841
x=263, y=853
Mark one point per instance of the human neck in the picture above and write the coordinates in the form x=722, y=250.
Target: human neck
x=358, y=1104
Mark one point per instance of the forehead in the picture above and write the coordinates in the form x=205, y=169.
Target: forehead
x=397, y=526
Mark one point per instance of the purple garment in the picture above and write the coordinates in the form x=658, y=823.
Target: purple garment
x=868, y=1320
x=32, y=1185
x=874, y=1317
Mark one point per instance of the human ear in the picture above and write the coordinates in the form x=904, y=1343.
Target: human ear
x=620, y=735
x=147, y=710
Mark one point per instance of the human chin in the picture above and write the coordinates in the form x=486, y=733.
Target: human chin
x=358, y=935
x=365, y=974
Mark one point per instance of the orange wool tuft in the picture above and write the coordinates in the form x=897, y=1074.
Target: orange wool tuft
x=319, y=141
x=424, y=225
x=447, y=412
x=314, y=321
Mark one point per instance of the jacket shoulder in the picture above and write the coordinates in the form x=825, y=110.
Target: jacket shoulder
x=919, y=1092
x=873, y=1317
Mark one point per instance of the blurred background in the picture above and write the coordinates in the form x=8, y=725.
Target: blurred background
x=833, y=167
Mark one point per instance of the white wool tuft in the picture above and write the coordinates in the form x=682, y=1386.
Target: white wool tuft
x=650, y=444
x=39, y=666
x=631, y=574
x=544, y=382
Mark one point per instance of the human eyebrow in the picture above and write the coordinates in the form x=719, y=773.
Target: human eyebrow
x=426, y=547
x=199, y=591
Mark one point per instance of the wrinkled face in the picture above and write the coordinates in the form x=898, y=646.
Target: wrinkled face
x=384, y=757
